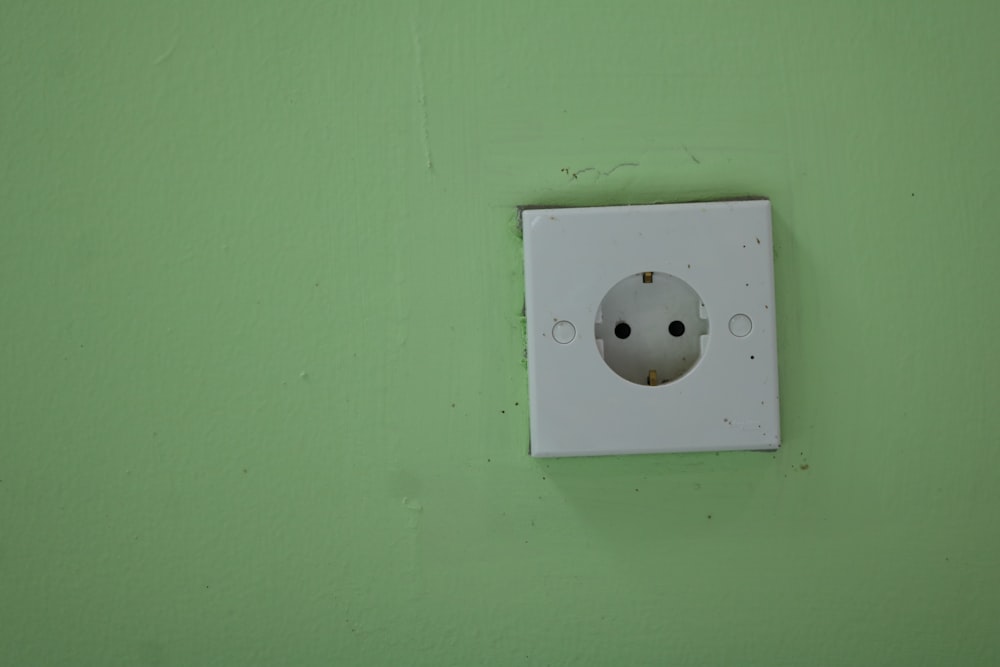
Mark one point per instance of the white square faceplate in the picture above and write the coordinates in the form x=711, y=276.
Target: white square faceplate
x=651, y=328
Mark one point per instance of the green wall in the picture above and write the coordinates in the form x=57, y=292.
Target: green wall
x=262, y=395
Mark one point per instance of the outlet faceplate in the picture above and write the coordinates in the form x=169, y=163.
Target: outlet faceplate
x=651, y=328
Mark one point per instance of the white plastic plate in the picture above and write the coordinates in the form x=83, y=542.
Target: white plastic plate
x=726, y=400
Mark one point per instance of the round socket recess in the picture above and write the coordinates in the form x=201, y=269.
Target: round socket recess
x=651, y=328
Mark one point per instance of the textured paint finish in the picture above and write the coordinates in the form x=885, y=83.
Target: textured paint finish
x=262, y=398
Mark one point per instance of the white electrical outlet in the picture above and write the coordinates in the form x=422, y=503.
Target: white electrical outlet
x=651, y=328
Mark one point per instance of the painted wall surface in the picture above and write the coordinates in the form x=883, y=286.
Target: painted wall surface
x=262, y=395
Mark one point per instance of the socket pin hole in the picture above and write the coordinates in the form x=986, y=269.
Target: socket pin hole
x=676, y=329
x=623, y=330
